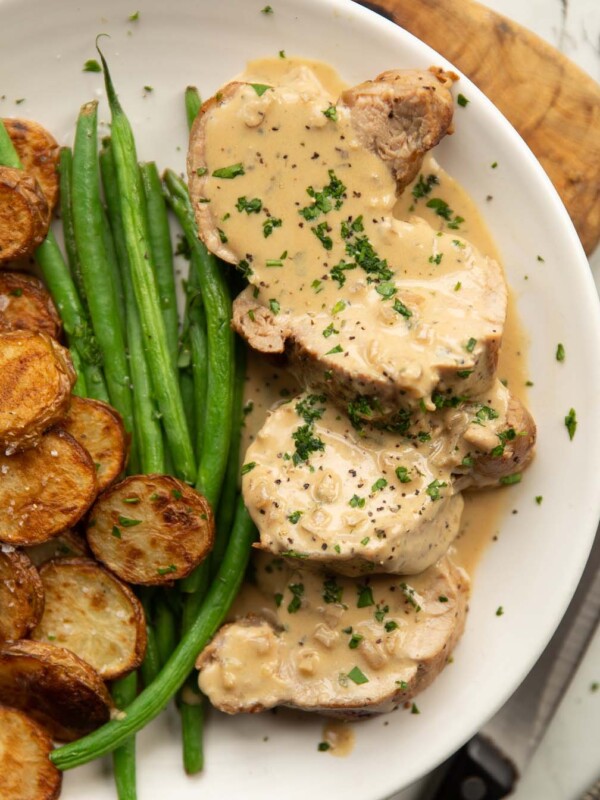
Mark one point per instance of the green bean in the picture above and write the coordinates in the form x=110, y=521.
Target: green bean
x=124, y=691
x=155, y=697
x=198, y=344
x=216, y=433
x=66, y=214
x=162, y=370
x=151, y=665
x=192, y=726
x=80, y=388
x=164, y=627
x=193, y=103
x=60, y=283
x=186, y=387
x=148, y=432
x=162, y=253
x=232, y=476
x=97, y=274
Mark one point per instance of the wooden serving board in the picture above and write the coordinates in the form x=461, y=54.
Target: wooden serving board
x=553, y=104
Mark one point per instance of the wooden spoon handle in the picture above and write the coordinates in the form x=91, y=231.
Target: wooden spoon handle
x=553, y=104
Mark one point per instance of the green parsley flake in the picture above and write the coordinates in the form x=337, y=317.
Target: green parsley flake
x=424, y=186
x=433, y=490
x=337, y=349
x=402, y=309
x=253, y=206
x=338, y=307
x=560, y=352
x=248, y=467
x=462, y=101
x=134, y=17
x=571, y=423
x=379, y=484
x=355, y=640
x=126, y=522
x=539, y=499
x=402, y=474
x=331, y=113
x=357, y=502
x=269, y=225
x=274, y=306
x=278, y=597
x=409, y=595
x=357, y=676
x=282, y=54
x=167, y=570
x=176, y=494
x=260, y=88
x=510, y=480
x=91, y=65
x=386, y=289
x=322, y=747
x=499, y=611
x=470, y=345
x=116, y=532
x=390, y=626
x=294, y=517
x=329, y=331
x=332, y=591
x=229, y=172
x=297, y=590
x=365, y=596
x=414, y=709
x=266, y=10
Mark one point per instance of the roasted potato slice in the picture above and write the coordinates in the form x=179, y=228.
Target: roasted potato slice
x=93, y=614
x=21, y=595
x=35, y=389
x=99, y=428
x=151, y=529
x=39, y=153
x=44, y=490
x=25, y=304
x=24, y=214
x=55, y=687
x=26, y=772
x=67, y=545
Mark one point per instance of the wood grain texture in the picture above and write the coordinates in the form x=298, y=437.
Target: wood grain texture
x=553, y=104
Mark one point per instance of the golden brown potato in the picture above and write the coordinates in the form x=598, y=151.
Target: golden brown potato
x=21, y=595
x=25, y=304
x=99, y=428
x=45, y=490
x=24, y=215
x=93, y=614
x=68, y=544
x=26, y=772
x=151, y=529
x=35, y=388
x=39, y=153
x=55, y=687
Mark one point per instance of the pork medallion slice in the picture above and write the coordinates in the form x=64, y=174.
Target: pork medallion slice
x=355, y=498
x=299, y=193
x=345, y=647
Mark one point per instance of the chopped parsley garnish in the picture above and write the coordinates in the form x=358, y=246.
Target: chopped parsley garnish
x=131, y=501
x=176, y=494
x=540, y=259
x=269, y=225
x=539, y=499
x=201, y=171
x=380, y=612
x=248, y=467
x=464, y=373
x=127, y=522
x=274, y=262
x=510, y=480
x=433, y=490
x=357, y=502
x=409, y=594
x=338, y=307
x=499, y=611
x=297, y=590
x=331, y=113
x=337, y=272
x=365, y=596
x=266, y=10
x=470, y=345
x=116, y=532
x=309, y=408
x=229, y=172
x=560, y=352
x=244, y=267
x=357, y=676
x=442, y=209
x=494, y=164
x=278, y=597
x=485, y=413
x=167, y=570
x=337, y=349
x=274, y=306
x=402, y=684
x=437, y=259
x=260, y=88
x=468, y=461
x=332, y=591
x=442, y=598
x=571, y=423
x=414, y=709
x=329, y=331
x=330, y=196
x=402, y=309
x=253, y=206
x=91, y=65
x=306, y=443
x=462, y=101
x=282, y=54
x=359, y=408
x=321, y=231
x=379, y=484
x=294, y=517
x=347, y=228
x=16, y=292
x=424, y=186
x=457, y=286
x=367, y=259
x=386, y=289
x=403, y=475
x=390, y=626
x=222, y=236
x=322, y=747
x=365, y=541
x=355, y=640
x=134, y=17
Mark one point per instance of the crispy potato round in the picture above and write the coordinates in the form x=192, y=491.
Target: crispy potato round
x=39, y=153
x=25, y=304
x=35, y=390
x=26, y=772
x=45, y=490
x=55, y=687
x=99, y=428
x=93, y=614
x=151, y=529
x=67, y=544
x=24, y=215
x=21, y=594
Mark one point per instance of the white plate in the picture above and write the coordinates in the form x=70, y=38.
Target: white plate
x=533, y=569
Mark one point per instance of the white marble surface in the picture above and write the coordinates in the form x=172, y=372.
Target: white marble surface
x=567, y=762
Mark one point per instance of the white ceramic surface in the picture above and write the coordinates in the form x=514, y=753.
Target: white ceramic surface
x=533, y=568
